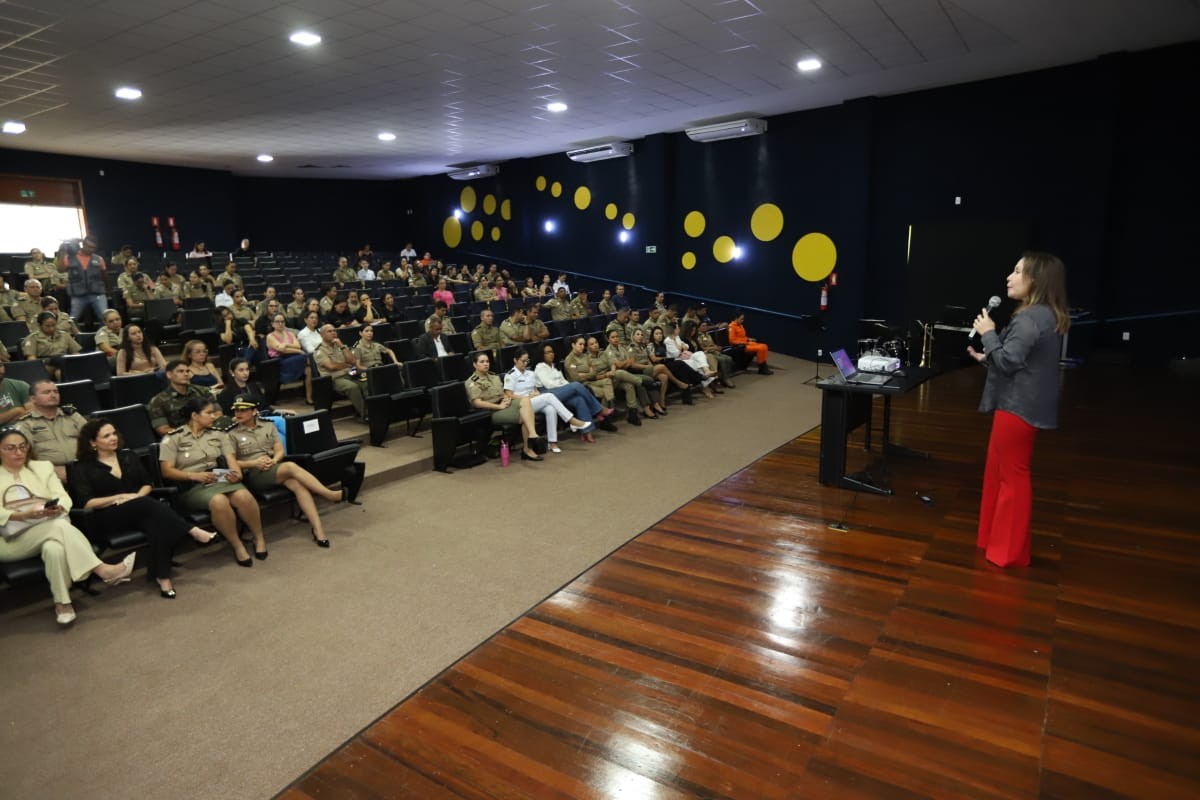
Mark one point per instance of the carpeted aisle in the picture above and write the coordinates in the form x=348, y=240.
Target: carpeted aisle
x=252, y=675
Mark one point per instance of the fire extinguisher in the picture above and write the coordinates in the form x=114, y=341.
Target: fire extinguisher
x=825, y=297
x=175, y=245
x=158, y=240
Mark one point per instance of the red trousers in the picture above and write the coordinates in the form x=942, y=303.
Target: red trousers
x=759, y=349
x=1007, y=492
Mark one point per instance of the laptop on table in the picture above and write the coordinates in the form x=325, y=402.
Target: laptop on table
x=850, y=373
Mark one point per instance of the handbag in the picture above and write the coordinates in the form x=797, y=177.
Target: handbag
x=18, y=498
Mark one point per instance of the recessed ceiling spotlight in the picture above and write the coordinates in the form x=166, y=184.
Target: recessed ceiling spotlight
x=808, y=64
x=737, y=251
x=458, y=213
x=557, y=108
x=387, y=137
x=14, y=127
x=549, y=226
x=623, y=236
x=306, y=38
x=266, y=159
x=128, y=93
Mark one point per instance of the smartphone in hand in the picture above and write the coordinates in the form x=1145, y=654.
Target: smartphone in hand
x=53, y=503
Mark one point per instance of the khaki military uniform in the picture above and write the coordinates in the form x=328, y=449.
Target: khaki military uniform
x=54, y=439
x=27, y=308
x=623, y=332
x=190, y=290
x=295, y=310
x=164, y=291
x=606, y=307
x=110, y=337
x=371, y=355
x=177, y=282
x=46, y=272
x=326, y=305
x=342, y=382
x=485, y=294
x=192, y=453
x=39, y=345
x=635, y=385
x=490, y=389
x=559, y=309
x=514, y=332
x=166, y=407
x=538, y=330
x=385, y=275
x=721, y=362
x=67, y=325
x=244, y=312
x=125, y=281
x=417, y=279
x=447, y=325
x=584, y=367
x=345, y=275
x=225, y=277
x=487, y=338
x=579, y=309
x=135, y=300
x=256, y=442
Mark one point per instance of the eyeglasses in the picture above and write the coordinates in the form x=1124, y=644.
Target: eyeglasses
x=15, y=448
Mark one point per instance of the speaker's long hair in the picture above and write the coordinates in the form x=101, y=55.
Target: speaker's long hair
x=1047, y=277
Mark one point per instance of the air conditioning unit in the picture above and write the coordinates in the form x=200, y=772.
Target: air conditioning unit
x=600, y=152
x=733, y=129
x=477, y=171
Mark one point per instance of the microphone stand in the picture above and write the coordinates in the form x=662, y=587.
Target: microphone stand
x=817, y=324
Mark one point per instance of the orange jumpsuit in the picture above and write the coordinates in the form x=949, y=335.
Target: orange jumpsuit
x=737, y=335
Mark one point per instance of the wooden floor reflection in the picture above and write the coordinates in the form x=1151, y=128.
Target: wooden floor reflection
x=743, y=649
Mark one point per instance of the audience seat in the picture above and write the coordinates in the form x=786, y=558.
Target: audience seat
x=87, y=367
x=28, y=371
x=135, y=389
x=389, y=401
x=456, y=423
x=81, y=394
x=313, y=444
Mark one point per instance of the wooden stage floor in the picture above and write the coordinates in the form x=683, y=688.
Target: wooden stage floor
x=743, y=649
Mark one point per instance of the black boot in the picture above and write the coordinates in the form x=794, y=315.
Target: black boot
x=763, y=369
x=634, y=417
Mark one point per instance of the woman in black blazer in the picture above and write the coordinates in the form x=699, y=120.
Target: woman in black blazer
x=115, y=485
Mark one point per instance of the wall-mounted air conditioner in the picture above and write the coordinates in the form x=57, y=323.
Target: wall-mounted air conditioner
x=477, y=171
x=727, y=130
x=601, y=151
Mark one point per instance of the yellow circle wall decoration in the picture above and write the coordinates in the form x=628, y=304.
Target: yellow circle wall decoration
x=814, y=257
x=689, y=260
x=628, y=221
x=451, y=232
x=610, y=211
x=556, y=189
x=540, y=183
x=694, y=224
x=466, y=200
x=767, y=222
x=495, y=233
x=489, y=204
x=583, y=197
x=477, y=230
x=506, y=210
x=723, y=249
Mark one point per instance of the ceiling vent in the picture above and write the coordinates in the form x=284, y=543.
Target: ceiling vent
x=477, y=171
x=600, y=152
x=734, y=129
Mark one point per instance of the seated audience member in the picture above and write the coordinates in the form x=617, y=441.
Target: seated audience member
x=329, y=298
x=486, y=336
x=408, y=252
x=110, y=336
x=386, y=273
x=484, y=292
x=284, y=344
x=135, y=356
x=260, y=307
x=521, y=382
x=204, y=372
x=737, y=335
x=717, y=359
x=166, y=407
x=529, y=290
x=207, y=277
x=241, y=308
x=367, y=313
x=48, y=343
x=687, y=336
x=537, y=329
x=606, y=305
x=65, y=323
x=365, y=273
x=642, y=364
x=41, y=269
x=231, y=274
x=344, y=272
x=660, y=301
x=114, y=484
x=500, y=289
x=14, y=398
x=337, y=361
x=559, y=305
x=591, y=372
x=224, y=298
x=442, y=294
x=340, y=316
x=171, y=270
x=404, y=273
x=259, y=455
x=486, y=391
x=684, y=376
x=195, y=288
x=52, y=429
x=295, y=309
x=242, y=386
x=130, y=270
x=231, y=330
x=165, y=290
x=35, y=530
x=580, y=307
x=619, y=299
x=679, y=350
x=387, y=310
x=622, y=327
x=243, y=250
x=310, y=337
x=417, y=279
x=28, y=304
x=189, y=455
x=561, y=283
x=637, y=387
x=431, y=343
x=545, y=288
x=199, y=250
x=263, y=323
x=550, y=379
x=442, y=312
x=515, y=330
x=371, y=353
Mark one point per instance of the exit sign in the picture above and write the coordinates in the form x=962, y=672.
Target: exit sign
x=28, y=193
x=650, y=248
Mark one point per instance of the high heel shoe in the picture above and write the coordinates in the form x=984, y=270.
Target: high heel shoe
x=261, y=556
x=535, y=457
x=320, y=542
x=660, y=410
x=211, y=537
x=244, y=562
x=169, y=594
x=126, y=571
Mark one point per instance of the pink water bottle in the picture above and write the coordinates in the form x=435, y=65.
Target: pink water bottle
x=504, y=452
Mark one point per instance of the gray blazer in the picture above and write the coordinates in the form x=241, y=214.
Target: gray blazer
x=1022, y=362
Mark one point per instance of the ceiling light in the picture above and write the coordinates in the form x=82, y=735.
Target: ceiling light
x=549, y=226
x=808, y=64
x=557, y=108
x=623, y=236
x=458, y=213
x=387, y=137
x=737, y=251
x=266, y=159
x=128, y=93
x=305, y=38
x=14, y=127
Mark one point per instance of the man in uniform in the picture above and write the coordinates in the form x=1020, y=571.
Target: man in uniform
x=231, y=274
x=52, y=431
x=560, y=305
x=484, y=293
x=29, y=303
x=579, y=306
x=14, y=398
x=486, y=336
x=136, y=297
x=514, y=330
x=441, y=312
x=172, y=272
x=718, y=360
x=195, y=287
x=344, y=272
x=126, y=279
x=622, y=326
x=336, y=360
x=166, y=407
x=38, y=268
x=165, y=290
x=537, y=329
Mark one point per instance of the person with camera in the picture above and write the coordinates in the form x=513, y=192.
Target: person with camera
x=85, y=270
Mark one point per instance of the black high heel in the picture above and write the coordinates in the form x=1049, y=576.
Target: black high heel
x=245, y=563
x=167, y=593
x=320, y=542
x=261, y=556
x=526, y=457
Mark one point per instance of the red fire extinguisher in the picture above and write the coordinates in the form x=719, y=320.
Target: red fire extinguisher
x=825, y=297
x=158, y=240
x=175, y=245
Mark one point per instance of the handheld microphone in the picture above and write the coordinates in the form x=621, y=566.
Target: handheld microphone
x=993, y=304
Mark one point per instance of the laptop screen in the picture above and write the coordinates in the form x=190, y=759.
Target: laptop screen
x=843, y=363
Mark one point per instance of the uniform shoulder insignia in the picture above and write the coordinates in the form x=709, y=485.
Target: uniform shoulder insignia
x=24, y=416
x=175, y=430
x=68, y=409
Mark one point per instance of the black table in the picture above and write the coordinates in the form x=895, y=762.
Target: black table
x=845, y=406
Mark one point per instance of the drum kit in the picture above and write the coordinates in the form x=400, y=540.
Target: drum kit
x=879, y=338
